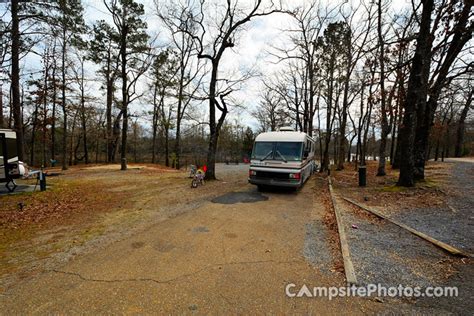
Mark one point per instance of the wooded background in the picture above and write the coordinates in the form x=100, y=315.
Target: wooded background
x=368, y=81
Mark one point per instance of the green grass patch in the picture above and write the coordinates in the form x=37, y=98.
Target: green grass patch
x=427, y=183
x=393, y=188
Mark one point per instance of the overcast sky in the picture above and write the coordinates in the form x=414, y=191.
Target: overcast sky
x=251, y=51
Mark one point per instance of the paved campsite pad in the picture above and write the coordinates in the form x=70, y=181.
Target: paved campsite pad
x=191, y=254
x=240, y=197
x=211, y=258
x=21, y=188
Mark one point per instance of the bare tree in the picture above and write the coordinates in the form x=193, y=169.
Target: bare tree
x=458, y=31
x=212, y=43
x=416, y=96
x=461, y=123
x=270, y=113
x=15, y=78
x=178, y=19
x=356, y=40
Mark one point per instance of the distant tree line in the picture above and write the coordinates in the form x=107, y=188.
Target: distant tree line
x=361, y=78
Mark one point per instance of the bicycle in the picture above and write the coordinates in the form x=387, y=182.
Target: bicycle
x=198, y=179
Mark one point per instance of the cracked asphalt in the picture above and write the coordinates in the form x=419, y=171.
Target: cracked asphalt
x=226, y=248
x=217, y=257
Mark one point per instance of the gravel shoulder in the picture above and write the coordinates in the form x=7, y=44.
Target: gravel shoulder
x=385, y=253
x=453, y=221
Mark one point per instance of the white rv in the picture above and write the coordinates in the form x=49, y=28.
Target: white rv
x=284, y=158
x=10, y=167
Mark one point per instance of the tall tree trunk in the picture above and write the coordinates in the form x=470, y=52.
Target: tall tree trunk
x=53, y=111
x=320, y=139
x=71, y=142
x=155, y=125
x=15, y=80
x=123, y=54
x=83, y=118
x=63, y=100
x=108, y=112
x=109, y=130
x=370, y=105
x=33, y=133
x=416, y=97
x=325, y=163
x=179, y=116
x=446, y=138
x=45, y=113
x=116, y=132
x=311, y=94
x=135, y=142
x=394, y=130
x=214, y=126
x=167, y=147
x=97, y=143
x=462, y=33
x=177, y=144
x=397, y=154
x=345, y=106
x=360, y=125
x=383, y=107
x=460, y=126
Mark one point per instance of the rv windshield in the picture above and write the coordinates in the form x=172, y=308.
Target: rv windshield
x=287, y=151
x=262, y=150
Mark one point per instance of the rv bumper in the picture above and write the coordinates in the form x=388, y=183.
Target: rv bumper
x=275, y=182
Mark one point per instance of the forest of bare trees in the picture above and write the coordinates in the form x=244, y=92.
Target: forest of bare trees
x=148, y=81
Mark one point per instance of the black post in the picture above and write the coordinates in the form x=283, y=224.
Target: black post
x=362, y=176
x=42, y=180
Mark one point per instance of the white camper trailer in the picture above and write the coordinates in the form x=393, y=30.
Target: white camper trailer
x=284, y=158
x=10, y=167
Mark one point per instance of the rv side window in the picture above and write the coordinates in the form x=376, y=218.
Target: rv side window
x=307, y=148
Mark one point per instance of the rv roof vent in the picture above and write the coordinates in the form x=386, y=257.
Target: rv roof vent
x=286, y=129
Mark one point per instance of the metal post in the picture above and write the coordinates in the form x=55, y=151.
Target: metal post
x=362, y=176
x=42, y=180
